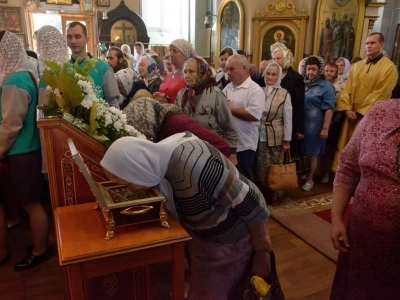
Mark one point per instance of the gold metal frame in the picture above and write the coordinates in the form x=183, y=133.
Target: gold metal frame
x=358, y=30
x=241, y=27
x=279, y=14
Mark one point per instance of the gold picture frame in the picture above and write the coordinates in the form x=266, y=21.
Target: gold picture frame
x=230, y=26
x=59, y=2
x=338, y=29
x=103, y=3
x=10, y=19
x=280, y=23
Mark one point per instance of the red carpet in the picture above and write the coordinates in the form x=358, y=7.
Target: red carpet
x=308, y=215
x=326, y=214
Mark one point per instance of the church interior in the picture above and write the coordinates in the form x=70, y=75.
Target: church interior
x=305, y=271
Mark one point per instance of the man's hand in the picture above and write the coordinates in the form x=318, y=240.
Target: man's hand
x=233, y=158
x=351, y=115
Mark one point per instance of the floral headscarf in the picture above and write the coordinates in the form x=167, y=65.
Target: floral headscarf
x=321, y=67
x=128, y=77
x=153, y=71
x=206, y=80
x=184, y=47
x=286, y=52
x=51, y=46
x=13, y=56
x=147, y=115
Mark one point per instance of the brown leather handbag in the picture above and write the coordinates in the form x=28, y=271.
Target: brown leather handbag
x=282, y=176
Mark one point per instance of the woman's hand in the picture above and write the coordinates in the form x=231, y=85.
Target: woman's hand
x=261, y=264
x=339, y=236
x=285, y=146
x=299, y=136
x=324, y=133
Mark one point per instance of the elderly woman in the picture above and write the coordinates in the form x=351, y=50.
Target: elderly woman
x=127, y=50
x=180, y=50
x=224, y=213
x=294, y=84
x=275, y=127
x=149, y=71
x=222, y=78
x=160, y=120
x=20, y=146
x=343, y=70
x=319, y=105
x=206, y=103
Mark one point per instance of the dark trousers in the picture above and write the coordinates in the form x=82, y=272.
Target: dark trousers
x=246, y=163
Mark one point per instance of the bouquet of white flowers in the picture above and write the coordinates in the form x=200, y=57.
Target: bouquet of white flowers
x=74, y=93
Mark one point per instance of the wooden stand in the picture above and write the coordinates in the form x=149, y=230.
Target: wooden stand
x=84, y=253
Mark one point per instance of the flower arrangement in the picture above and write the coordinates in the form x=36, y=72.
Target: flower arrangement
x=73, y=92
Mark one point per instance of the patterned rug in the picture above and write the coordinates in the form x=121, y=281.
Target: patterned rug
x=308, y=217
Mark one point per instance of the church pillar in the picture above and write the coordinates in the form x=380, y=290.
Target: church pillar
x=371, y=15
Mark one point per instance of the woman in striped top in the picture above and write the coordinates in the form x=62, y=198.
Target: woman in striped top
x=224, y=213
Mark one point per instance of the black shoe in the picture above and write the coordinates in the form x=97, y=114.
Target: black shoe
x=30, y=260
x=29, y=248
x=5, y=259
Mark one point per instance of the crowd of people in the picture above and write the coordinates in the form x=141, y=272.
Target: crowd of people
x=214, y=133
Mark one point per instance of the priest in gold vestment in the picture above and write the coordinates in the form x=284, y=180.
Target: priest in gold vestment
x=370, y=80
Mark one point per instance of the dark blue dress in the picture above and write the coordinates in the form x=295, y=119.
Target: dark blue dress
x=319, y=98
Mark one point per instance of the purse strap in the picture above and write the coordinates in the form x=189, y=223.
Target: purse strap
x=284, y=158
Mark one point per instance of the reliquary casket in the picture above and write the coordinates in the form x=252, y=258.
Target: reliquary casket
x=121, y=206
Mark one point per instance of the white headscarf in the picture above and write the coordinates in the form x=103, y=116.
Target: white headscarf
x=278, y=81
x=184, y=47
x=51, y=46
x=145, y=163
x=346, y=71
x=33, y=67
x=136, y=56
x=127, y=77
x=13, y=56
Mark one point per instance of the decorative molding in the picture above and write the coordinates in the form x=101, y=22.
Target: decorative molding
x=279, y=14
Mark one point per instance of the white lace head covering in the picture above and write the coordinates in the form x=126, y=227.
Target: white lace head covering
x=184, y=47
x=51, y=46
x=33, y=67
x=12, y=56
x=144, y=163
x=346, y=71
x=288, y=58
x=279, y=79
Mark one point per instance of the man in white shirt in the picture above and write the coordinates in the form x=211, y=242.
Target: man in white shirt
x=247, y=102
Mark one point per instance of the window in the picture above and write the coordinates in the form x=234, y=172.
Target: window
x=166, y=20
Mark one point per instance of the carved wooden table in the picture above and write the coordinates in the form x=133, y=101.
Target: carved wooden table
x=84, y=253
